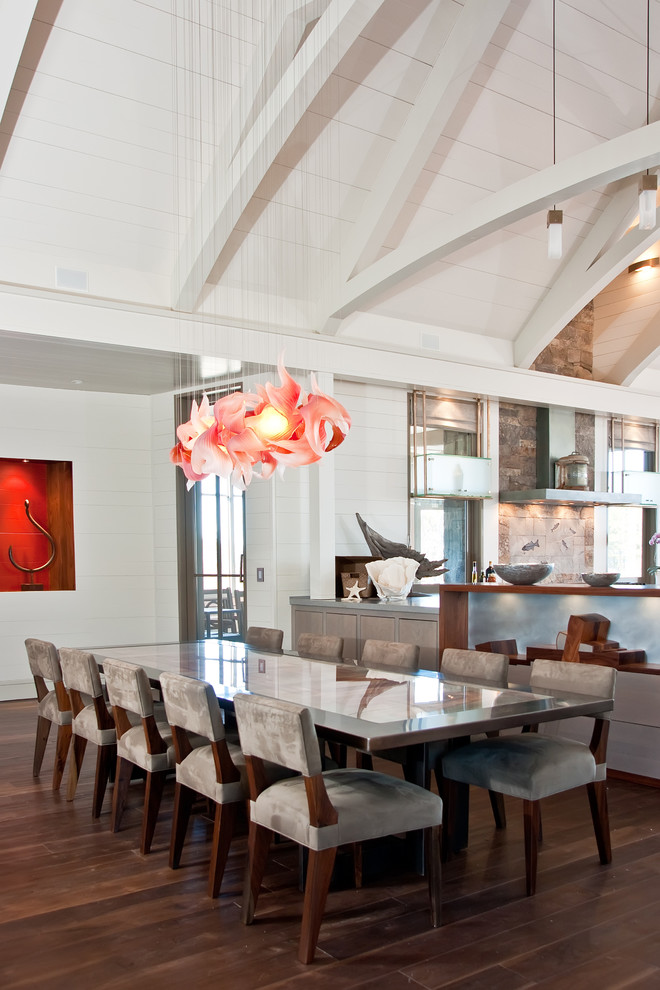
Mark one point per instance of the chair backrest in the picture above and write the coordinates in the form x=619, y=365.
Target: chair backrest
x=278, y=731
x=43, y=659
x=192, y=705
x=128, y=687
x=477, y=664
x=80, y=672
x=227, y=598
x=576, y=678
x=264, y=638
x=381, y=653
x=311, y=645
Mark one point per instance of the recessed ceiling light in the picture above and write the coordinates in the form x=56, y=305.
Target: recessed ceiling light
x=76, y=381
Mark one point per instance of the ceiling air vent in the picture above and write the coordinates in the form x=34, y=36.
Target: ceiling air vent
x=69, y=278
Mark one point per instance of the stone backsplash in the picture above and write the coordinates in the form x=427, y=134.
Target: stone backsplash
x=562, y=535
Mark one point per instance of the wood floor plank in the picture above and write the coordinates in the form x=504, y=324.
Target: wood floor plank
x=108, y=918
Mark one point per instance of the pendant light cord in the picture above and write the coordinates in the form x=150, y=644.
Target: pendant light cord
x=648, y=61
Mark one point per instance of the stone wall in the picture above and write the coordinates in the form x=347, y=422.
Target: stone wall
x=559, y=534
x=571, y=353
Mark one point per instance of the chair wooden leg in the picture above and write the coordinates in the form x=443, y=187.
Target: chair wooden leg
x=498, y=808
x=433, y=846
x=363, y=761
x=105, y=759
x=531, y=826
x=600, y=817
x=75, y=764
x=223, y=831
x=43, y=731
x=183, y=802
x=120, y=791
x=449, y=817
x=153, y=793
x=357, y=865
x=258, y=847
x=64, y=734
x=319, y=872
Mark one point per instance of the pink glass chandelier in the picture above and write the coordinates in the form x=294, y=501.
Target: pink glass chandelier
x=251, y=434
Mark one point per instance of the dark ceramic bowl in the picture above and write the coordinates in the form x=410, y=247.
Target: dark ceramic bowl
x=523, y=573
x=601, y=580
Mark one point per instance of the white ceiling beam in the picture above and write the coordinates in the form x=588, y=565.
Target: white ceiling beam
x=575, y=280
x=437, y=100
x=15, y=21
x=229, y=189
x=643, y=351
x=598, y=166
x=282, y=31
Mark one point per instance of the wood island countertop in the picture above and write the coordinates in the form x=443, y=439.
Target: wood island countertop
x=615, y=590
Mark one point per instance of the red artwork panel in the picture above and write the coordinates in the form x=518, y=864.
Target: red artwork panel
x=21, y=480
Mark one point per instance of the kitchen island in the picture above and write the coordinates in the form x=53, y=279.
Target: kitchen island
x=461, y=615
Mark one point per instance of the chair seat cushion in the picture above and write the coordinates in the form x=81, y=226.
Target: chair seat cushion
x=132, y=746
x=48, y=708
x=525, y=766
x=198, y=773
x=368, y=804
x=85, y=724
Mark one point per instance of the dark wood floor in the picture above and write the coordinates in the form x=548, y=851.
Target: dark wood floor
x=82, y=908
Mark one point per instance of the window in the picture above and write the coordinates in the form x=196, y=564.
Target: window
x=629, y=528
x=443, y=527
x=211, y=554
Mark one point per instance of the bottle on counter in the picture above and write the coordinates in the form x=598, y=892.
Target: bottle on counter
x=475, y=573
x=491, y=576
x=482, y=577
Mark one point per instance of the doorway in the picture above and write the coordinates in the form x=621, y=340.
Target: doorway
x=212, y=601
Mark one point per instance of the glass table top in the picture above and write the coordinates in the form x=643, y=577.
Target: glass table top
x=376, y=708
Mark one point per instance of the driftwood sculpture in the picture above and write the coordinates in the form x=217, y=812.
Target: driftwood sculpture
x=384, y=548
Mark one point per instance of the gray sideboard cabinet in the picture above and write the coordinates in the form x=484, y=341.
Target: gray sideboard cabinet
x=412, y=621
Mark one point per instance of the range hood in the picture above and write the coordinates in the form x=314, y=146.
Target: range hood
x=555, y=438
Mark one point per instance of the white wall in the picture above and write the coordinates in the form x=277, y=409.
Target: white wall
x=277, y=524
x=163, y=475
x=108, y=438
x=371, y=466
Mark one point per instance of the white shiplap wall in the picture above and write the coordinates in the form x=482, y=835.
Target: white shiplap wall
x=371, y=466
x=163, y=475
x=108, y=438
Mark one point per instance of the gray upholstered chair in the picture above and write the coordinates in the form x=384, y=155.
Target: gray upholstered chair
x=92, y=722
x=264, y=638
x=54, y=706
x=476, y=664
x=320, y=647
x=488, y=667
x=147, y=745
x=381, y=653
x=480, y=665
x=320, y=810
x=532, y=766
x=215, y=770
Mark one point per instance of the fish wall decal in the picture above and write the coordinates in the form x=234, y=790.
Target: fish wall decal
x=530, y=545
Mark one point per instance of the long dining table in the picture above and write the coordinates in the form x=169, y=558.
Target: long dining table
x=372, y=709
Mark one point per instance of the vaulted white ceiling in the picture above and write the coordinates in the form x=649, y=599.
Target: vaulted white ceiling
x=362, y=170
